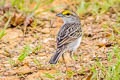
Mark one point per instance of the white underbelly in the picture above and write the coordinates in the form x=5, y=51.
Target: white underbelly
x=74, y=45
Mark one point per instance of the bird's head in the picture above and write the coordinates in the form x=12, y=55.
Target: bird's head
x=68, y=16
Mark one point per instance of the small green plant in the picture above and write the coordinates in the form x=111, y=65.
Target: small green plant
x=115, y=29
x=48, y=75
x=37, y=48
x=75, y=57
x=2, y=2
x=113, y=72
x=95, y=73
x=27, y=50
x=2, y=33
x=25, y=6
x=70, y=73
x=37, y=62
x=11, y=62
x=95, y=7
x=107, y=72
x=82, y=7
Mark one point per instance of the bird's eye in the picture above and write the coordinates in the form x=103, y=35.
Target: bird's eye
x=68, y=14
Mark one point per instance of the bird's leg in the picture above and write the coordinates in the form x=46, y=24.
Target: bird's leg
x=64, y=60
x=71, y=56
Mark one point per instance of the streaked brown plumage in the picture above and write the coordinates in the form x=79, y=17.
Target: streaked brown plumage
x=69, y=36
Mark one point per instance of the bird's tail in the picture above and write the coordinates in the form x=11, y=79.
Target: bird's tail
x=55, y=57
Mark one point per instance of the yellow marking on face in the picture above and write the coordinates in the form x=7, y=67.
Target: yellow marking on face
x=66, y=12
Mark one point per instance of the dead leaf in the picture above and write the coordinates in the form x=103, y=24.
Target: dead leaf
x=28, y=20
x=89, y=76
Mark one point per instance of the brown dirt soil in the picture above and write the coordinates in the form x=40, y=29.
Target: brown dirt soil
x=95, y=43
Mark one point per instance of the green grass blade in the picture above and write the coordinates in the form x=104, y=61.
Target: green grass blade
x=2, y=33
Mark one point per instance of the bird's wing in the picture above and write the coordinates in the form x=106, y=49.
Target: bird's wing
x=68, y=33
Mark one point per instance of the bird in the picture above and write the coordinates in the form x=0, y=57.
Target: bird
x=69, y=36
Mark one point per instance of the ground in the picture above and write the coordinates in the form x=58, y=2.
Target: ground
x=39, y=44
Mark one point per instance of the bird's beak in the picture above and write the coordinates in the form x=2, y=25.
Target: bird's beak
x=60, y=15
